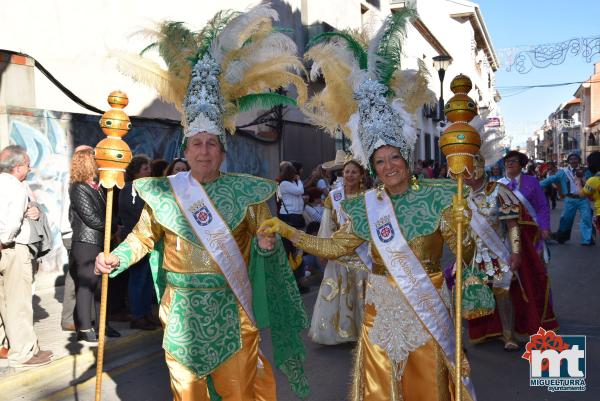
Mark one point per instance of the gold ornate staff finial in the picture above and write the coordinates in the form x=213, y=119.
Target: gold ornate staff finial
x=112, y=157
x=112, y=153
x=459, y=143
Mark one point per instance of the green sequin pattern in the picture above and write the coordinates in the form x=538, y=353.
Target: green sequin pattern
x=231, y=194
x=419, y=210
x=203, y=327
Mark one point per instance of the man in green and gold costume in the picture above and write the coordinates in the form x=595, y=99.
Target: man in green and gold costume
x=218, y=280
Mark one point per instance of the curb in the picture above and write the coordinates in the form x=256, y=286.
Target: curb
x=74, y=366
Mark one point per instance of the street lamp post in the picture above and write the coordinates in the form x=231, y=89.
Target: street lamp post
x=441, y=63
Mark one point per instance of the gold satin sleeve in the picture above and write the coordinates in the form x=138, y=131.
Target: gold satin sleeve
x=342, y=242
x=144, y=235
x=255, y=215
x=448, y=229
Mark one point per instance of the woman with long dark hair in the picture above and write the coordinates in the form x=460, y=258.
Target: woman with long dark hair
x=86, y=214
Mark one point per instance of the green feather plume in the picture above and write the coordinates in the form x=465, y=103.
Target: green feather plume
x=263, y=101
x=388, y=45
x=212, y=29
x=353, y=45
x=173, y=42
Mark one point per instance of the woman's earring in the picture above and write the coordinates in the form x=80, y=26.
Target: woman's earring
x=380, y=191
x=414, y=183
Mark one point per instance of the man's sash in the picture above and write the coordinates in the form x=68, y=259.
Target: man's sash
x=337, y=196
x=486, y=232
x=215, y=236
x=410, y=276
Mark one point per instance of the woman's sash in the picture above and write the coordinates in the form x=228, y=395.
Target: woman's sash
x=214, y=234
x=410, y=276
x=337, y=196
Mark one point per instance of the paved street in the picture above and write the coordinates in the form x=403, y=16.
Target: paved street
x=498, y=375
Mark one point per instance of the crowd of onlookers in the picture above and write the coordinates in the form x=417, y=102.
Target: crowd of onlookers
x=25, y=236
x=131, y=295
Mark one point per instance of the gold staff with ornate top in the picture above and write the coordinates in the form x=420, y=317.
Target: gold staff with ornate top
x=459, y=143
x=112, y=157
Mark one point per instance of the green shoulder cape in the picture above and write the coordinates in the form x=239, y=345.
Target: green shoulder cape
x=420, y=209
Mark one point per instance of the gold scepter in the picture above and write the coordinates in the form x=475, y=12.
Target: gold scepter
x=459, y=143
x=112, y=157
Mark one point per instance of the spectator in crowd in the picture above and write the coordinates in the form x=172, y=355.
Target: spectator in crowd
x=428, y=169
x=86, y=215
x=443, y=173
x=290, y=193
x=18, y=341
x=67, y=320
x=313, y=210
x=436, y=170
x=158, y=167
x=140, y=288
x=177, y=166
x=318, y=179
x=299, y=168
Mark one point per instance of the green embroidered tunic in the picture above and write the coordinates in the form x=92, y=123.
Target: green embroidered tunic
x=203, y=327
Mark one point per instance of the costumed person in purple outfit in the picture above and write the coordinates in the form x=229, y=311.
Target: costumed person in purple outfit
x=530, y=193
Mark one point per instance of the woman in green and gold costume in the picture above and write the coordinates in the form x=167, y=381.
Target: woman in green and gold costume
x=219, y=281
x=406, y=345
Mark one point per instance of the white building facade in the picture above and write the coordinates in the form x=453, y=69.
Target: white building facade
x=79, y=37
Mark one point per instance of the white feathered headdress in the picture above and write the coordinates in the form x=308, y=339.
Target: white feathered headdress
x=228, y=67
x=491, y=150
x=366, y=95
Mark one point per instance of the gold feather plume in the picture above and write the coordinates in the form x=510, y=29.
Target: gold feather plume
x=332, y=107
x=170, y=88
x=411, y=87
x=254, y=58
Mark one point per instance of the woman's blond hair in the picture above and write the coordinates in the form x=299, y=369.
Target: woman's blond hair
x=83, y=166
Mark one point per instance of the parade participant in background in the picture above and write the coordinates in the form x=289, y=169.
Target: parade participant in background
x=552, y=192
x=337, y=315
x=509, y=260
x=496, y=172
x=571, y=185
x=219, y=282
x=405, y=350
x=592, y=185
x=530, y=194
